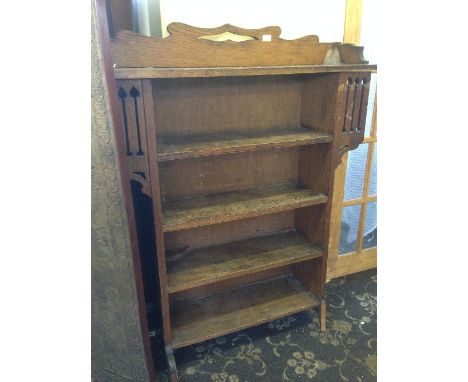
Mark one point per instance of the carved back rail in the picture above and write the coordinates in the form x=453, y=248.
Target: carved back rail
x=191, y=47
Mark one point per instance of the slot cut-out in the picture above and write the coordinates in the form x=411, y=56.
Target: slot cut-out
x=227, y=36
x=361, y=102
x=134, y=93
x=357, y=83
x=122, y=95
x=349, y=85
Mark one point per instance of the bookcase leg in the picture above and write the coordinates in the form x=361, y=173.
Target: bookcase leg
x=172, y=365
x=322, y=314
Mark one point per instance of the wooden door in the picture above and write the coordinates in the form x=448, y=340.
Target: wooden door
x=353, y=243
x=353, y=239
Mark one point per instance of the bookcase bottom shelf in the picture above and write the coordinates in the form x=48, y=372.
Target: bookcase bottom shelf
x=232, y=310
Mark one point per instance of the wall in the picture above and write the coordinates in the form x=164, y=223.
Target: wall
x=118, y=336
x=296, y=18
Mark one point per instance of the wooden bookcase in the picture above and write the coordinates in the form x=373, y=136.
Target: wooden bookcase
x=237, y=143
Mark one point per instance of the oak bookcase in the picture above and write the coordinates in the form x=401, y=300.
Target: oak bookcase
x=236, y=143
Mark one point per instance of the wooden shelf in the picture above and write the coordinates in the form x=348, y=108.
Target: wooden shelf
x=176, y=147
x=230, y=71
x=232, y=310
x=229, y=206
x=212, y=264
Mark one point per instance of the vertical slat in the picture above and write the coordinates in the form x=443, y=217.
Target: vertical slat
x=157, y=211
x=337, y=179
x=358, y=86
x=361, y=124
x=361, y=85
x=350, y=100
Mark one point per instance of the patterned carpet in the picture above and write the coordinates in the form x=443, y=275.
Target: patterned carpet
x=293, y=348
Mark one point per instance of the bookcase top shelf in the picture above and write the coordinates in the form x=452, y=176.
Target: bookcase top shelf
x=209, y=52
x=176, y=147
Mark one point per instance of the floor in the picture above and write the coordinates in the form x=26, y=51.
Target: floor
x=293, y=348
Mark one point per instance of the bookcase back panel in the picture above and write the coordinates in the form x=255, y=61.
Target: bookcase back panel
x=192, y=106
x=223, y=173
x=227, y=232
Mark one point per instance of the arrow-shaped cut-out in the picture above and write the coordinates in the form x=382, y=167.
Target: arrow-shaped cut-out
x=122, y=95
x=134, y=93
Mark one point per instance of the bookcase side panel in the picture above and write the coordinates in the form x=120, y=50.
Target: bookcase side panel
x=157, y=211
x=318, y=102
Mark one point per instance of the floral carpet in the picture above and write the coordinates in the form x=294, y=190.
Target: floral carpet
x=293, y=348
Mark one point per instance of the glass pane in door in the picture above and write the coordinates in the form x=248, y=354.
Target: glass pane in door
x=370, y=226
x=349, y=228
x=355, y=171
x=373, y=174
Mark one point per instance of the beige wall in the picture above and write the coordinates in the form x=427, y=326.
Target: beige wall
x=296, y=18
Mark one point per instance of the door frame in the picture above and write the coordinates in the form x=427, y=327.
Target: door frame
x=361, y=259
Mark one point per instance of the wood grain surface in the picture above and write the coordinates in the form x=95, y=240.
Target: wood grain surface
x=212, y=209
x=233, y=310
x=187, y=46
x=181, y=147
x=235, y=71
x=216, y=263
x=224, y=173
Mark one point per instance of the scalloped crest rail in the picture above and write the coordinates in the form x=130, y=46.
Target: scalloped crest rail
x=236, y=143
x=184, y=48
